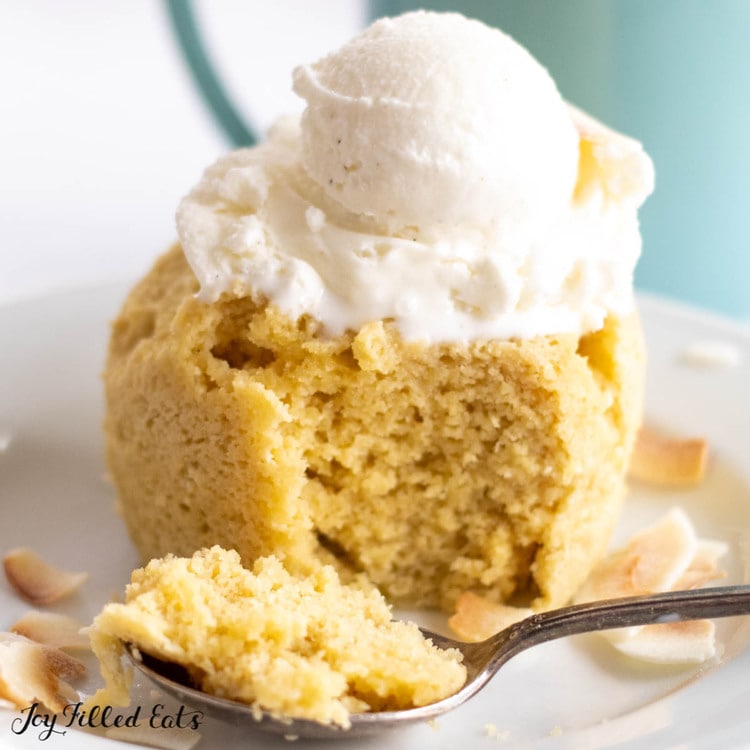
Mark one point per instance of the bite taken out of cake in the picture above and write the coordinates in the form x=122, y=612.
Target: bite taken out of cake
x=399, y=336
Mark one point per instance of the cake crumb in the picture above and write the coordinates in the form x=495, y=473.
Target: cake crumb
x=494, y=733
x=556, y=731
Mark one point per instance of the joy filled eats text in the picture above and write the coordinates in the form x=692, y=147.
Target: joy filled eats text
x=34, y=719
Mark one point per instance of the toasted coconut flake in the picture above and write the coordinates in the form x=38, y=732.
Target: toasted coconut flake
x=58, y=631
x=476, y=618
x=37, y=581
x=707, y=555
x=667, y=461
x=664, y=557
x=704, y=567
x=664, y=550
x=62, y=664
x=31, y=672
x=694, y=579
x=690, y=642
x=168, y=739
x=652, y=560
x=710, y=353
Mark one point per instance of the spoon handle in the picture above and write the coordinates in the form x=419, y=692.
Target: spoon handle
x=672, y=606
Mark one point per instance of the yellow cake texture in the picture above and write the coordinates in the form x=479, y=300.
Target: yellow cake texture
x=306, y=647
x=493, y=466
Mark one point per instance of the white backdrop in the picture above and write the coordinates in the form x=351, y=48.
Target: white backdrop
x=102, y=130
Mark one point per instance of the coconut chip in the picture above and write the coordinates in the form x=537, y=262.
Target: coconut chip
x=668, y=461
x=667, y=556
x=31, y=672
x=37, y=581
x=688, y=642
x=51, y=629
x=709, y=353
x=477, y=618
x=651, y=560
x=704, y=567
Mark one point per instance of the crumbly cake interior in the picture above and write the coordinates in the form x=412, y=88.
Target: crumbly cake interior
x=496, y=466
x=309, y=647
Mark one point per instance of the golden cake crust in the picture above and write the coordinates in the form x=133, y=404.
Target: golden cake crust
x=495, y=466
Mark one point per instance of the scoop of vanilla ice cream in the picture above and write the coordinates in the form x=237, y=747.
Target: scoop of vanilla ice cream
x=436, y=180
x=431, y=120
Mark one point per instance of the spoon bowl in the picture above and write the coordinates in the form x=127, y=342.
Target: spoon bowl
x=482, y=660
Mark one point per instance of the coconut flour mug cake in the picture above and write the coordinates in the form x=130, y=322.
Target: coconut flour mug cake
x=399, y=336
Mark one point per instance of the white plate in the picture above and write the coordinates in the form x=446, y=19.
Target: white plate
x=573, y=694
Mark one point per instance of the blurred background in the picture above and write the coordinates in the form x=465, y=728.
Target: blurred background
x=112, y=110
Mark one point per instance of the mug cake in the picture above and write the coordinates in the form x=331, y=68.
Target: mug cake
x=399, y=336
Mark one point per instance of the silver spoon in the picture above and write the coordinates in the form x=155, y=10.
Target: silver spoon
x=482, y=660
